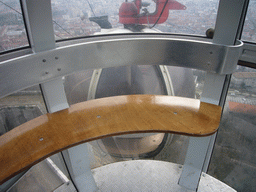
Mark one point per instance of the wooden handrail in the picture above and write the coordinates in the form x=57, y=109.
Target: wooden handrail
x=48, y=134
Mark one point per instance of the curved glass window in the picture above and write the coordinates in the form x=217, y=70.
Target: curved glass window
x=249, y=30
x=20, y=107
x=17, y=109
x=87, y=17
x=127, y=80
x=233, y=159
x=12, y=29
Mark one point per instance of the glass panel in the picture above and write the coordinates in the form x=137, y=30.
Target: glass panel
x=130, y=80
x=77, y=86
x=15, y=110
x=234, y=155
x=12, y=29
x=42, y=177
x=199, y=16
x=144, y=80
x=135, y=80
x=79, y=18
x=249, y=30
x=20, y=107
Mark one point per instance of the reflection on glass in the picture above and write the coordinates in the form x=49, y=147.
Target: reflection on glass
x=20, y=107
x=77, y=86
x=12, y=29
x=15, y=110
x=249, y=30
x=234, y=155
x=78, y=18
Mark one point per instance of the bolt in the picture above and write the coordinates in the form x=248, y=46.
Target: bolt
x=98, y=116
x=44, y=60
x=175, y=113
x=41, y=139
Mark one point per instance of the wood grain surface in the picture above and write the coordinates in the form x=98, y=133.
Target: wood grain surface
x=48, y=134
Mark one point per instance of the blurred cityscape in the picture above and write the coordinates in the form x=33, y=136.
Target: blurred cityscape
x=71, y=19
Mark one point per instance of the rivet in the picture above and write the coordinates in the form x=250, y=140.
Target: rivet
x=44, y=60
x=180, y=166
x=56, y=58
x=98, y=116
x=211, y=52
x=59, y=69
x=175, y=113
x=41, y=139
x=46, y=72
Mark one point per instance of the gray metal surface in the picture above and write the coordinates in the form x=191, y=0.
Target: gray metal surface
x=228, y=20
x=167, y=80
x=19, y=73
x=194, y=162
x=149, y=175
x=94, y=84
x=54, y=95
x=78, y=163
x=249, y=53
x=38, y=17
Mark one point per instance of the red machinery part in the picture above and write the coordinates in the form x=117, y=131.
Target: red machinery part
x=129, y=12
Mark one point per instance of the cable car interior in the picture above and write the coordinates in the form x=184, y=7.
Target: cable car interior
x=127, y=95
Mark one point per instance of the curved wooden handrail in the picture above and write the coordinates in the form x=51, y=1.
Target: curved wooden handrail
x=48, y=134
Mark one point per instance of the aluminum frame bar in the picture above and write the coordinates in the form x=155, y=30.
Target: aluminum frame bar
x=38, y=16
x=227, y=23
x=28, y=70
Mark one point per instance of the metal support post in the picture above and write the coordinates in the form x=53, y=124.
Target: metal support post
x=228, y=20
x=38, y=19
x=52, y=90
x=78, y=162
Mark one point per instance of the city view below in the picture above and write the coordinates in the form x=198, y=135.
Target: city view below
x=71, y=19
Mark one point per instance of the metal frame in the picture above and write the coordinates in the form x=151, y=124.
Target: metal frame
x=249, y=53
x=228, y=20
x=167, y=79
x=38, y=15
x=49, y=63
x=94, y=84
x=22, y=72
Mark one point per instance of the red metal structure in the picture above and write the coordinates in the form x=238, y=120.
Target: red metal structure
x=129, y=12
